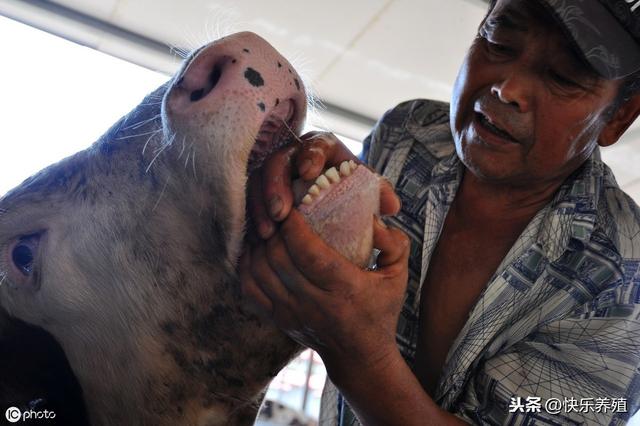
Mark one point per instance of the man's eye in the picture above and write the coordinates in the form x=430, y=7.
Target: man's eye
x=497, y=49
x=564, y=81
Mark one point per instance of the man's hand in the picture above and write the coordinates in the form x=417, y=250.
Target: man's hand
x=270, y=193
x=323, y=301
x=349, y=316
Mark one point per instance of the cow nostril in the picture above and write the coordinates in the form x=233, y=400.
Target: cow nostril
x=214, y=78
x=196, y=95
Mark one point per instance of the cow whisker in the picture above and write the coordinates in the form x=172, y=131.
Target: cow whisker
x=160, y=151
x=144, y=148
x=184, y=145
x=186, y=161
x=138, y=135
x=143, y=122
x=193, y=164
x=160, y=198
x=293, y=134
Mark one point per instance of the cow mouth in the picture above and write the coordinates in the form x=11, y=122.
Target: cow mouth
x=332, y=186
x=339, y=205
x=276, y=131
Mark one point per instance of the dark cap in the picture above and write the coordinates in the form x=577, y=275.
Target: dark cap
x=607, y=32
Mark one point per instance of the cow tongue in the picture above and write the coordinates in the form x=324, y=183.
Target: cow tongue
x=340, y=206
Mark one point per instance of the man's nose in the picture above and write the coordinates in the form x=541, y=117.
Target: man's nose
x=514, y=89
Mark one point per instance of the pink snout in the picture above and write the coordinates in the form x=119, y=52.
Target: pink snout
x=239, y=74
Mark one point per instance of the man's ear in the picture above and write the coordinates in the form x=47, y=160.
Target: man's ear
x=620, y=122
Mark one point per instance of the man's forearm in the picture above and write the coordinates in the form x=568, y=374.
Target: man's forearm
x=389, y=394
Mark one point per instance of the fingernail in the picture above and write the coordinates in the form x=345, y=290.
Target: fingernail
x=305, y=166
x=381, y=222
x=275, y=206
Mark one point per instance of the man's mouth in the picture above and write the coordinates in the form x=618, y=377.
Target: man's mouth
x=485, y=122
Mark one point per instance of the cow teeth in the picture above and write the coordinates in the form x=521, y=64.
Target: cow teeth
x=353, y=165
x=345, y=169
x=314, y=190
x=307, y=199
x=323, y=182
x=333, y=175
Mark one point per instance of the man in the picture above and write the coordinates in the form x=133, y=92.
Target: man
x=523, y=266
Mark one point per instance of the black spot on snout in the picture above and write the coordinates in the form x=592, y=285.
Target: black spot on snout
x=277, y=101
x=297, y=83
x=246, y=50
x=261, y=106
x=253, y=77
x=279, y=65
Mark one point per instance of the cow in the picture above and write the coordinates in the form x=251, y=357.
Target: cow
x=121, y=260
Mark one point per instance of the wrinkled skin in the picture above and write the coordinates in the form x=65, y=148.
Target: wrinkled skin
x=125, y=253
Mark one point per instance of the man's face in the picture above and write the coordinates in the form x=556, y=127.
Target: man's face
x=525, y=111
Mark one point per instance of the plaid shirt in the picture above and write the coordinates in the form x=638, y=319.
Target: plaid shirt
x=558, y=319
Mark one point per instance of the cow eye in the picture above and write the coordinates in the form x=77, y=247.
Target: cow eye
x=24, y=254
x=23, y=258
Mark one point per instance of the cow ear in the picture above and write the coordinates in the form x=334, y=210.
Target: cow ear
x=620, y=122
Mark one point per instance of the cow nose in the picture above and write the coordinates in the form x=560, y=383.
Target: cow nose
x=239, y=69
x=236, y=84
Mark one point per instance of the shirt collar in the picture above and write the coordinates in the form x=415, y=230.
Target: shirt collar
x=570, y=215
x=572, y=212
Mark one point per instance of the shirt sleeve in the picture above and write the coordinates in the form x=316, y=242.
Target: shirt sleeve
x=374, y=144
x=380, y=144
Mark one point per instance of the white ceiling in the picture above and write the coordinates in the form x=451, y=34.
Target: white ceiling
x=362, y=56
